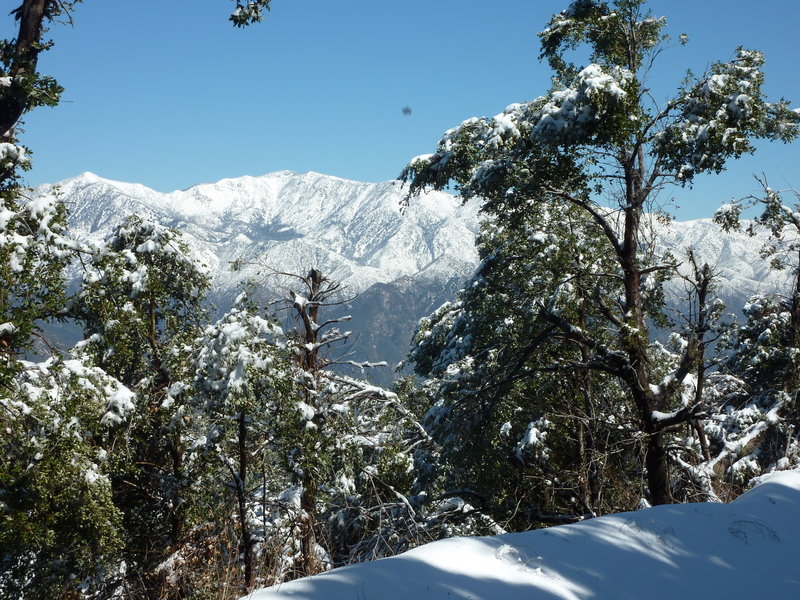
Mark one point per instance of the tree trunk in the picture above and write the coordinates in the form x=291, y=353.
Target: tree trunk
x=241, y=497
x=308, y=535
x=32, y=14
x=178, y=516
x=657, y=469
x=793, y=376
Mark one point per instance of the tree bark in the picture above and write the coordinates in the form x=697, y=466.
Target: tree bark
x=32, y=15
x=657, y=469
x=241, y=496
x=634, y=337
x=308, y=535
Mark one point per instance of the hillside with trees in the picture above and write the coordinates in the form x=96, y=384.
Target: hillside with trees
x=171, y=454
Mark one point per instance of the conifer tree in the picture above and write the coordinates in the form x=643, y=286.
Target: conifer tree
x=313, y=460
x=599, y=142
x=61, y=530
x=141, y=304
x=72, y=512
x=524, y=438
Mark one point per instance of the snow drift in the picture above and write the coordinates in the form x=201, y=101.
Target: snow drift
x=743, y=550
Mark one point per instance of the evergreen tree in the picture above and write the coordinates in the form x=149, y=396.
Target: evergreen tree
x=766, y=353
x=523, y=437
x=598, y=136
x=141, y=306
x=312, y=460
x=34, y=252
x=73, y=512
x=61, y=531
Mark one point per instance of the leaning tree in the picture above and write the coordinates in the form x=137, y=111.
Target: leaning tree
x=601, y=143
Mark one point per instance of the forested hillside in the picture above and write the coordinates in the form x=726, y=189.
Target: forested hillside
x=175, y=454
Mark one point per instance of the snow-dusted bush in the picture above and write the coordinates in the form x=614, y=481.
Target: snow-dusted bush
x=61, y=528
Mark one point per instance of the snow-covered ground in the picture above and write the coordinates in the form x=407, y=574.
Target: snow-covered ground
x=749, y=549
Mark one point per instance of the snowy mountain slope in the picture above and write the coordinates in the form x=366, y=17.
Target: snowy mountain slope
x=740, y=551
x=354, y=232
x=734, y=257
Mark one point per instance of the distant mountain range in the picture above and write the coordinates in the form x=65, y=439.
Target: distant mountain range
x=395, y=266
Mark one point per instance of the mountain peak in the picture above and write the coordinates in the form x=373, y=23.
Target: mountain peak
x=85, y=178
x=352, y=231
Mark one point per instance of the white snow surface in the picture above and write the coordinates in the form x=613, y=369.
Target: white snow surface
x=744, y=550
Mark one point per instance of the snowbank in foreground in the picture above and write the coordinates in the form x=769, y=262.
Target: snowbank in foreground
x=743, y=550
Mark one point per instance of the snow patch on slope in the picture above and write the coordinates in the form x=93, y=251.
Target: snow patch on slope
x=743, y=550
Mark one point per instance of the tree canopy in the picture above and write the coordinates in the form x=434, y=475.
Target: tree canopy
x=597, y=141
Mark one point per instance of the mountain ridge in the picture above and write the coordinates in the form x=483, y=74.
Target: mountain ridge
x=352, y=231
x=357, y=234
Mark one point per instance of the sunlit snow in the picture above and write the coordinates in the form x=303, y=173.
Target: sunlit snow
x=744, y=550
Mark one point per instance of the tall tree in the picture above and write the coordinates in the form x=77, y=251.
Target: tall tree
x=523, y=438
x=141, y=304
x=598, y=138
x=60, y=495
x=242, y=376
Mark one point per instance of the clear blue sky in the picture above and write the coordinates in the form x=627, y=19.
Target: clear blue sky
x=167, y=93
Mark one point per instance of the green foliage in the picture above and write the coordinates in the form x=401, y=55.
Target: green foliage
x=597, y=144
x=142, y=292
x=248, y=13
x=568, y=140
x=765, y=349
x=141, y=304
x=33, y=255
x=764, y=353
x=313, y=461
x=598, y=25
x=59, y=527
x=519, y=429
x=720, y=115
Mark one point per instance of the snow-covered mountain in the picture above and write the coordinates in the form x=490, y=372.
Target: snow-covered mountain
x=353, y=232
x=399, y=264
x=394, y=265
x=734, y=257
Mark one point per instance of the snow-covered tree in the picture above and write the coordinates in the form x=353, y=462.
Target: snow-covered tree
x=22, y=87
x=64, y=499
x=141, y=295
x=767, y=353
x=60, y=529
x=34, y=252
x=247, y=13
x=310, y=457
x=141, y=306
x=765, y=349
x=241, y=378
x=352, y=442
x=597, y=141
x=522, y=437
